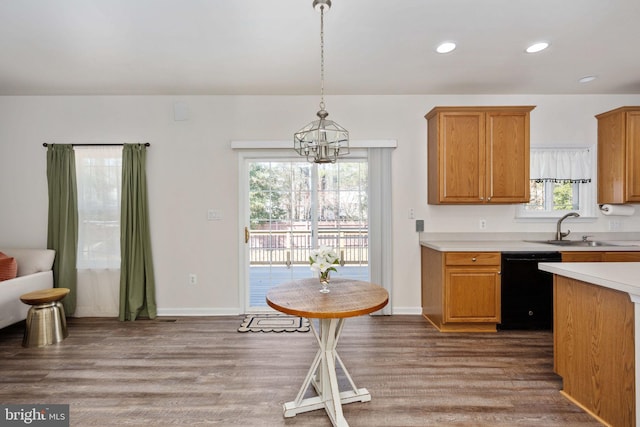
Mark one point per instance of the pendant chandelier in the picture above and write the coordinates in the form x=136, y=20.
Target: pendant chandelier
x=322, y=140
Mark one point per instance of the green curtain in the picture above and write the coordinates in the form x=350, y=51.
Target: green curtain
x=62, y=231
x=137, y=282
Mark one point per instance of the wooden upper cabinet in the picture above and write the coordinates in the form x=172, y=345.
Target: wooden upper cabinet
x=619, y=155
x=478, y=155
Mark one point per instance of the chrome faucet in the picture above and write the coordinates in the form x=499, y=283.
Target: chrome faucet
x=559, y=233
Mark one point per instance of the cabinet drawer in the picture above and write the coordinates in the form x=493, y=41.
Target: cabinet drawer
x=582, y=256
x=621, y=256
x=472, y=258
x=600, y=256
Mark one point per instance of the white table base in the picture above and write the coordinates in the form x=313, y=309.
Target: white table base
x=322, y=376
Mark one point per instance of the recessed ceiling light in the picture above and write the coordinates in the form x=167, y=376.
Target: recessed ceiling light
x=537, y=47
x=587, y=79
x=446, y=47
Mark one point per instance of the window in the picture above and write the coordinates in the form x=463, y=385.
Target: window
x=560, y=183
x=549, y=196
x=99, y=176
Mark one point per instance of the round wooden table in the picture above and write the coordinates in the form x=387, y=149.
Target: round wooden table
x=347, y=298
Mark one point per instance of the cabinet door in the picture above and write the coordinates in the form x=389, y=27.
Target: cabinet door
x=611, y=153
x=619, y=155
x=472, y=295
x=633, y=157
x=507, y=153
x=461, y=157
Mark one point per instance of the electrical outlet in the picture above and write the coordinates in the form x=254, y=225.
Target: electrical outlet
x=482, y=224
x=615, y=225
x=193, y=279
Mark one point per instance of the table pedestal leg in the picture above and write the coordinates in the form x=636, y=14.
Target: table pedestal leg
x=322, y=376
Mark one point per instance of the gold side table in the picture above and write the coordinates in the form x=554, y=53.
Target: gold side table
x=46, y=322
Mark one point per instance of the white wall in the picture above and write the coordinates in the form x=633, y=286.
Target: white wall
x=191, y=168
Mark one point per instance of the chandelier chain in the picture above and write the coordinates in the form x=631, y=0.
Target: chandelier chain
x=322, y=57
x=322, y=140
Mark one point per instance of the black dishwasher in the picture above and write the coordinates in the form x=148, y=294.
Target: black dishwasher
x=527, y=293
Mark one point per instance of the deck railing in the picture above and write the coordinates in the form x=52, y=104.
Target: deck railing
x=283, y=246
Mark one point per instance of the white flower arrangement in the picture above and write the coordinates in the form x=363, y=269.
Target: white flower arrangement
x=322, y=260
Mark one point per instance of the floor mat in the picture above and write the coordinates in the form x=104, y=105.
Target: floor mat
x=274, y=323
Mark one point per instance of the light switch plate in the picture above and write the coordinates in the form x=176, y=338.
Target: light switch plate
x=214, y=215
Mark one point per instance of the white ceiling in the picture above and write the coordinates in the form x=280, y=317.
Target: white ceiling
x=66, y=47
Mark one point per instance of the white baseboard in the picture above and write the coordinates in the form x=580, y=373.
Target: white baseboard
x=237, y=312
x=407, y=310
x=221, y=312
x=93, y=312
x=198, y=311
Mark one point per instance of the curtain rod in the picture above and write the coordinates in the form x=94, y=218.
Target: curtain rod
x=146, y=144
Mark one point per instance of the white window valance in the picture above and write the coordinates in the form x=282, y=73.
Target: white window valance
x=560, y=165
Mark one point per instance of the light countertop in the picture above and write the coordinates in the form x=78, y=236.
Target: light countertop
x=526, y=242
x=621, y=276
x=523, y=246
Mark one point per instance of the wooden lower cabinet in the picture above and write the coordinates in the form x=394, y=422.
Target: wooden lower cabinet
x=621, y=257
x=600, y=256
x=461, y=290
x=594, y=349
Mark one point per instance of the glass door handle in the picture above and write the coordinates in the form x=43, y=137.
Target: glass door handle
x=341, y=258
x=246, y=234
x=288, y=261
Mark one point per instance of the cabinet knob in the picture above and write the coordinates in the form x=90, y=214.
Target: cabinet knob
x=474, y=259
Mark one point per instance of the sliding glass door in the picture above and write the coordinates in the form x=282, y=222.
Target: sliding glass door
x=293, y=207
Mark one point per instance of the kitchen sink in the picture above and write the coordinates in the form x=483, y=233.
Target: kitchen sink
x=580, y=243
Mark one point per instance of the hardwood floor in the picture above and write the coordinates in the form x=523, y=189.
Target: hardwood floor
x=196, y=371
